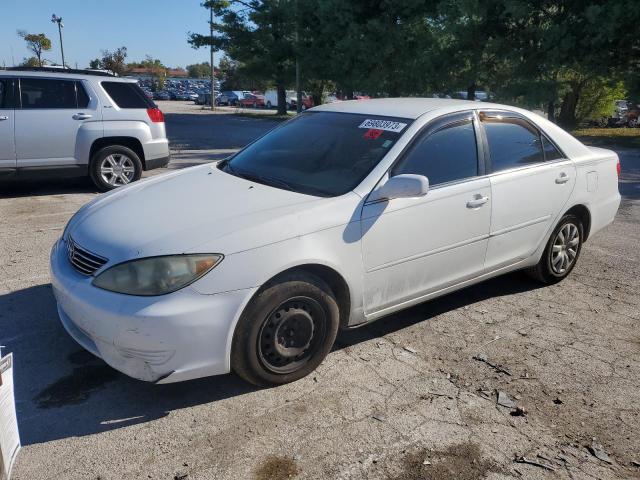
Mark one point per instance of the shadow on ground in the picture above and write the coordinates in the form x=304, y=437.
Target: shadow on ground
x=56, y=380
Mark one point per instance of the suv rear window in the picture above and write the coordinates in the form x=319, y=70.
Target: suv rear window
x=127, y=95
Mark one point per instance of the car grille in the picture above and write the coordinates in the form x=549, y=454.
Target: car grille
x=83, y=260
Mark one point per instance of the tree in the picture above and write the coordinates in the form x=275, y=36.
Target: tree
x=30, y=62
x=36, y=43
x=257, y=33
x=95, y=64
x=199, y=70
x=114, y=61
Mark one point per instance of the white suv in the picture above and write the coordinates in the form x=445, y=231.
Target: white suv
x=78, y=122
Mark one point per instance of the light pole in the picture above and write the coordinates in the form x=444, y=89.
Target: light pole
x=58, y=20
x=213, y=72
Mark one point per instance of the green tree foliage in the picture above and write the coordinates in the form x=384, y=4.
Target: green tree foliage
x=36, y=43
x=112, y=61
x=259, y=34
x=565, y=55
x=30, y=62
x=199, y=70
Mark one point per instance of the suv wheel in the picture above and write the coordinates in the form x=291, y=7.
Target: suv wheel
x=114, y=166
x=286, y=331
x=561, y=253
x=268, y=104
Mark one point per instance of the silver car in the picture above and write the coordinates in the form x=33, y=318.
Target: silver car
x=78, y=122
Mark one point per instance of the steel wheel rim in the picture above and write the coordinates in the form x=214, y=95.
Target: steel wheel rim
x=291, y=335
x=564, y=249
x=117, y=169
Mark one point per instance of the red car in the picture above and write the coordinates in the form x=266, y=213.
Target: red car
x=307, y=101
x=252, y=100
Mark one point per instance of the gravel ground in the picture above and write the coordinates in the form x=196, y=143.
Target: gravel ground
x=402, y=398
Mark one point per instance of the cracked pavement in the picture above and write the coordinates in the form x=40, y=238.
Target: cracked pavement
x=401, y=398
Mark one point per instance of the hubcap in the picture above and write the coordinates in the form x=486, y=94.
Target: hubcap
x=117, y=169
x=565, y=248
x=291, y=335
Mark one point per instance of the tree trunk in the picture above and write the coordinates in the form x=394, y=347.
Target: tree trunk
x=282, y=99
x=567, y=117
x=551, y=111
x=471, y=92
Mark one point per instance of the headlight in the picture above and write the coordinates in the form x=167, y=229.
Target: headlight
x=156, y=275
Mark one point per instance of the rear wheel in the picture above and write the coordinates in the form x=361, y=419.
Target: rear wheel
x=114, y=166
x=561, y=253
x=286, y=331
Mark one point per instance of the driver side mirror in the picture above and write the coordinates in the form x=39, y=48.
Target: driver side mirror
x=401, y=186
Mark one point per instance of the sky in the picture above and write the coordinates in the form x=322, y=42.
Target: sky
x=146, y=27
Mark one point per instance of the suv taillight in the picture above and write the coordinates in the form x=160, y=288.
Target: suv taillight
x=155, y=115
x=618, y=168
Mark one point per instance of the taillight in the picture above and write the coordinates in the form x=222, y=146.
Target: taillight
x=618, y=168
x=155, y=115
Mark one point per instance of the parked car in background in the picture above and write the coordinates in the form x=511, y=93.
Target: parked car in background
x=271, y=98
x=77, y=123
x=230, y=98
x=347, y=213
x=253, y=100
x=161, y=95
x=307, y=101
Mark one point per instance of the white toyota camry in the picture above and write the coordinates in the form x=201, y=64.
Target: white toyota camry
x=349, y=212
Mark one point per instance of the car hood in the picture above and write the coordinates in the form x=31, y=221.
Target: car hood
x=200, y=209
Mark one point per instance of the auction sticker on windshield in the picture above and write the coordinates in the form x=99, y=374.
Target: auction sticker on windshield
x=388, y=125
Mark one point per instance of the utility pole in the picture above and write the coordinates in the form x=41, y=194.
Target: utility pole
x=213, y=72
x=58, y=20
x=298, y=92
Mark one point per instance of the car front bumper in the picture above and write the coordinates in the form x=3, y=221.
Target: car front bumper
x=163, y=339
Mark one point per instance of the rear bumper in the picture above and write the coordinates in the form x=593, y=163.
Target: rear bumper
x=156, y=153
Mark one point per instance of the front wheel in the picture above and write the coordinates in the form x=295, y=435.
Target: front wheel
x=561, y=253
x=114, y=166
x=286, y=331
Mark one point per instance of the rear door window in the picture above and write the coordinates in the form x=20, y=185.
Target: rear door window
x=127, y=95
x=513, y=143
x=550, y=150
x=41, y=93
x=82, y=96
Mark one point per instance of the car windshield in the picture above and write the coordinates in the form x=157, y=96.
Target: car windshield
x=319, y=153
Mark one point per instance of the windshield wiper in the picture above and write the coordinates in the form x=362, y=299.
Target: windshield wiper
x=254, y=177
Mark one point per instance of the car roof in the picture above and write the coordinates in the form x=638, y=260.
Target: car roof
x=403, y=107
x=76, y=75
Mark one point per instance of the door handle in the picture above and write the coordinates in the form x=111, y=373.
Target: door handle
x=477, y=202
x=562, y=178
x=3, y=117
x=81, y=116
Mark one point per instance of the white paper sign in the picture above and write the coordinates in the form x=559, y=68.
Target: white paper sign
x=388, y=125
x=9, y=436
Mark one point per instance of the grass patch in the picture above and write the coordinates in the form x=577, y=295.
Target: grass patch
x=612, y=137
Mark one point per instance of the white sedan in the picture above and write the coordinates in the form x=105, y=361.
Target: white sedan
x=343, y=215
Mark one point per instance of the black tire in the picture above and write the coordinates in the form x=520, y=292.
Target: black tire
x=544, y=271
x=102, y=154
x=269, y=104
x=299, y=308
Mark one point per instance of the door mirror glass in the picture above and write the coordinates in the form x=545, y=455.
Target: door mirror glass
x=401, y=186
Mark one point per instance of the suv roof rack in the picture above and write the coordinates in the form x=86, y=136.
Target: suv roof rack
x=75, y=71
